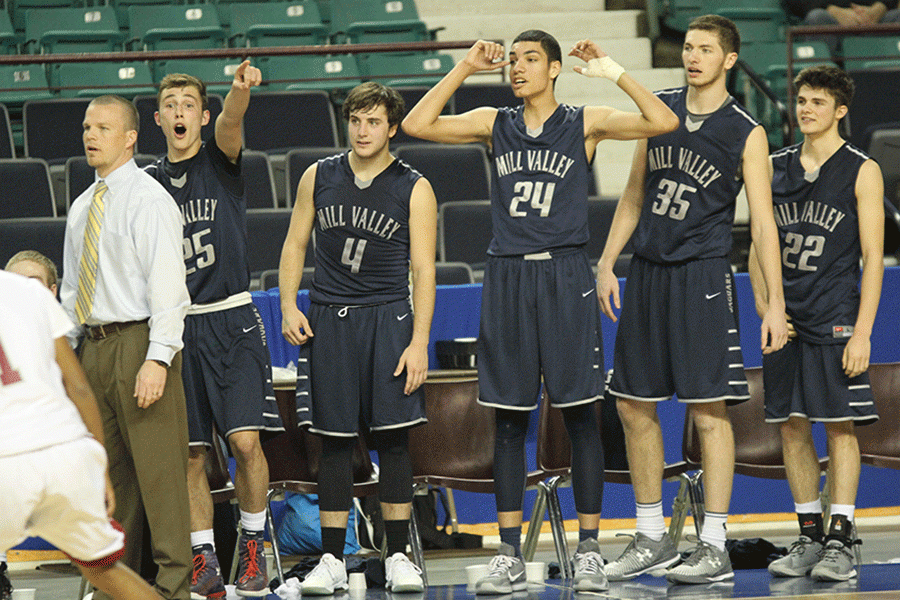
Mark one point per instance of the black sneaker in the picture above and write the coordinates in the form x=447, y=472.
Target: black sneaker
x=252, y=579
x=206, y=578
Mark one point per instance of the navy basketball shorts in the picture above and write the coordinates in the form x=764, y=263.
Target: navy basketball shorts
x=539, y=317
x=807, y=380
x=227, y=374
x=678, y=334
x=351, y=361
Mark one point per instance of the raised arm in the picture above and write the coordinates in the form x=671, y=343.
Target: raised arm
x=870, y=208
x=294, y=325
x=230, y=122
x=628, y=212
x=603, y=122
x=422, y=236
x=425, y=121
x=764, y=233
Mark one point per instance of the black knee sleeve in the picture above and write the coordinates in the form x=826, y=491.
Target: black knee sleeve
x=587, y=457
x=336, y=473
x=395, y=479
x=509, y=458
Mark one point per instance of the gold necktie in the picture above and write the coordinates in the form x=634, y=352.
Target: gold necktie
x=90, y=252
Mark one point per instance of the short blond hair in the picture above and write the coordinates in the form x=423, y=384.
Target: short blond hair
x=35, y=257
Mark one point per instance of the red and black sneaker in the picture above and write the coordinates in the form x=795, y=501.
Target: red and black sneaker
x=252, y=579
x=206, y=578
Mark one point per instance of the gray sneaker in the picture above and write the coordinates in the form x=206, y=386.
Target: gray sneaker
x=836, y=564
x=506, y=573
x=589, y=575
x=706, y=564
x=802, y=557
x=642, y=555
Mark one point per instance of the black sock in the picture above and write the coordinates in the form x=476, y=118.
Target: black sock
x=840, y=529
x=333, y=541
x=397, y=534
x=811, y=526
x=513, y=537
x=587, y=534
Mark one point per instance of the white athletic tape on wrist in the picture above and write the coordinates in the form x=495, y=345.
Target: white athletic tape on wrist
x=604, y=67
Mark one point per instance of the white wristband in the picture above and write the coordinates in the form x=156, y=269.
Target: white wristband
x=604, y=67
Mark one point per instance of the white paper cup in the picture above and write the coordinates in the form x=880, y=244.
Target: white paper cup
x=475, y=573
x=535, y=572
x=357, y=581
x=24, y=593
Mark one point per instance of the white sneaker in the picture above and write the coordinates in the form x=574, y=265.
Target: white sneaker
x=589, y=575
x=401, y=575
x=329, y=575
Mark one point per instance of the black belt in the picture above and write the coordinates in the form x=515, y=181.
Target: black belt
x=99, y=332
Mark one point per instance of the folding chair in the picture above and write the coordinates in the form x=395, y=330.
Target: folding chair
x=455, y=448
x=554, y=458
x=757, y=445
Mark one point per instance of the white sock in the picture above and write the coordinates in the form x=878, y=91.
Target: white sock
x=809, y=508
x=253, y=522
x=713, y=532
x=198, y=538
x=650, y=520
x=843, y=509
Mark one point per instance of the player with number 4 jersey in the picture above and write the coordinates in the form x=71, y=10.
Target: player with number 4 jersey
x=365, y=335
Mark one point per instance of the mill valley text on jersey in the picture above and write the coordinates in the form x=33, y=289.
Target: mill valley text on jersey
x=688, y=161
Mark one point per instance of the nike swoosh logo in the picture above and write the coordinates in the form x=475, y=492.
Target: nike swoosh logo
x=711, y=296
x=587, y=293
x=402, y=317
x=249, y=329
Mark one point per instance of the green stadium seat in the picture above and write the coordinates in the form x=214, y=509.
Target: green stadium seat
x=677, y=14
x=18, y=8
x=405, y=69
x=128, y=79
x=373, y=21
x=9, y=41
x=320, y=72
x=864, y=52
x=757, y=24
x=122, y=7
x=277, y=24
x=69, y=30
x=20, y=83
x=176, y=27
x=216, y=73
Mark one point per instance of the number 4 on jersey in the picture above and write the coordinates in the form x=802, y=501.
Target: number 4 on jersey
x=351, y=258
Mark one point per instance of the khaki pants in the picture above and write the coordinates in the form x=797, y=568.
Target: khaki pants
x=148, y=452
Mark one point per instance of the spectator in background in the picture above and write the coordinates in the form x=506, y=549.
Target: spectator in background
x=32, y=263
x=844, y=13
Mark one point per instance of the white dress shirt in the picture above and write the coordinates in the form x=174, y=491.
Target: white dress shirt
x=140, y=270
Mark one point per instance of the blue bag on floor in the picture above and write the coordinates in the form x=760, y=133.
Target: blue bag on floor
x=300, y=532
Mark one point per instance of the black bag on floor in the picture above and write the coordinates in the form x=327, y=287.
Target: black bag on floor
x=754, y=553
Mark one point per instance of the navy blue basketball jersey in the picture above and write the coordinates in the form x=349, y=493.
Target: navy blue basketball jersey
x=693, y=177
x=818, y=223
x=540, y=188
x=209, y=190
x=362, y=233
